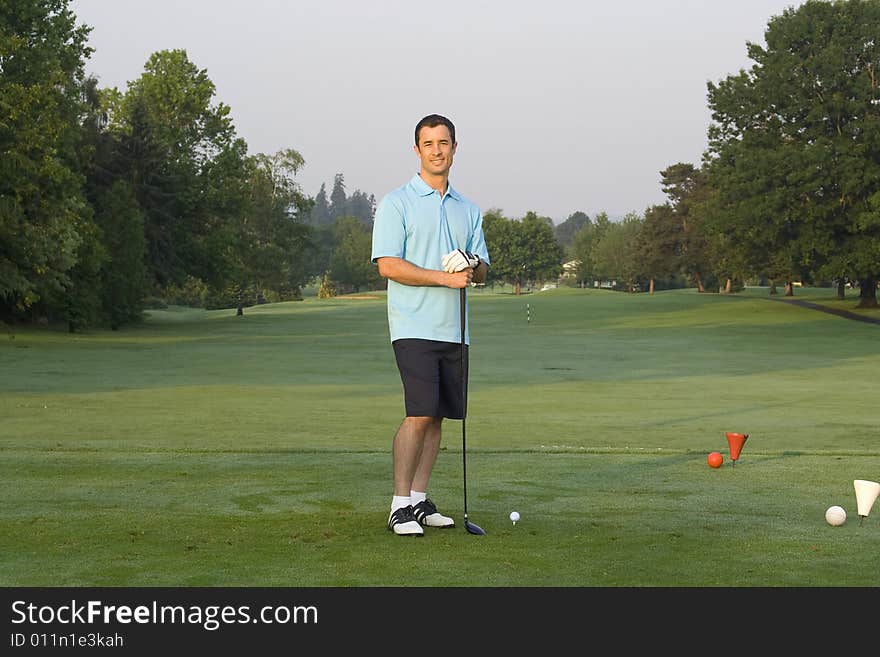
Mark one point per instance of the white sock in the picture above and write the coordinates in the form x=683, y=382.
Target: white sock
x=398, y=502
x=417, y=497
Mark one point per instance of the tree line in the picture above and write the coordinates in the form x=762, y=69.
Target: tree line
x=114, y=201
x=789, y=187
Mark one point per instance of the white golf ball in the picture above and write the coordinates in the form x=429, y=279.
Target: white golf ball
x=514, y=516
x=835, y=516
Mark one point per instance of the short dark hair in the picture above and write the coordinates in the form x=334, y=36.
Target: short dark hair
x=432, y=121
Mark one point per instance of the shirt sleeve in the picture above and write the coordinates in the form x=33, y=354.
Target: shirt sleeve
x=478, y=240
x=389, y=230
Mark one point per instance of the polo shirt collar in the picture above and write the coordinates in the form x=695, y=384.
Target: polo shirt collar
x=424, y=189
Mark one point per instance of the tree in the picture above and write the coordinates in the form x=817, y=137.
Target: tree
x=545, y=255
x=358, y=205
x=566, y=231
x=44, y=220
x=197, y=169
x=135, y=155
x=78, y=301
x=521, y=251
x=350, y=266
x=338, y=200
x=321, y=212
x=323, y=245
x=123, y=275
x=582, y=247
x=615, y=255
x=659, y=244
x=689, y=192
x=225, y=182
x=362, y=206
x=794, y=146
x=273, y=235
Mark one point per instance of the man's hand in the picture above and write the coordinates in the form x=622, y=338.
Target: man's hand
x=459, y=260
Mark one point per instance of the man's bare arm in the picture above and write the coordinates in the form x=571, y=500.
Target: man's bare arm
x=406, y=273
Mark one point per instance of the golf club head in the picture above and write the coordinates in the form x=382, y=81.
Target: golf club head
x=473, y=529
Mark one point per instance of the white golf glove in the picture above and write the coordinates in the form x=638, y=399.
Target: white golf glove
x=458, y=260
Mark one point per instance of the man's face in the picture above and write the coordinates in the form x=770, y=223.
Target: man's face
x=435, y=150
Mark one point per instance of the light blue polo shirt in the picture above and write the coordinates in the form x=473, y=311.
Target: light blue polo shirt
x=415, y=223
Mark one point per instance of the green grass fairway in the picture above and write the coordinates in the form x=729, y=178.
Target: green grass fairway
x=205, y=449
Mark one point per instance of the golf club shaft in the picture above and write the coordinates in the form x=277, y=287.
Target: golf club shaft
x=463, y=305
x=468, y=525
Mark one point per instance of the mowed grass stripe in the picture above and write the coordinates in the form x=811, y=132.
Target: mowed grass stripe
x=207, y=449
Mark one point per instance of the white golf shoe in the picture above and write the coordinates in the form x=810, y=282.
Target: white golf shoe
x=426, y=514
x=403, y=523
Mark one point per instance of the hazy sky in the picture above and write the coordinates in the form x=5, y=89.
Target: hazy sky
x=559, y=105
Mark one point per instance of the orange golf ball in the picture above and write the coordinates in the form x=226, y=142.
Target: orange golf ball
x=715, y=459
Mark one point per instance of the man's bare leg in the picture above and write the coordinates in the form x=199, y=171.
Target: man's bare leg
x=407, y=449
x=430, y=449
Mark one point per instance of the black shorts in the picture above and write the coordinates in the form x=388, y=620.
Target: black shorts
x=434, y=384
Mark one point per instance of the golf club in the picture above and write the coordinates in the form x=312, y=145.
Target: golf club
x=469, y=526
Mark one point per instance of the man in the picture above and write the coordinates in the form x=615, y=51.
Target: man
x=428, y=242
